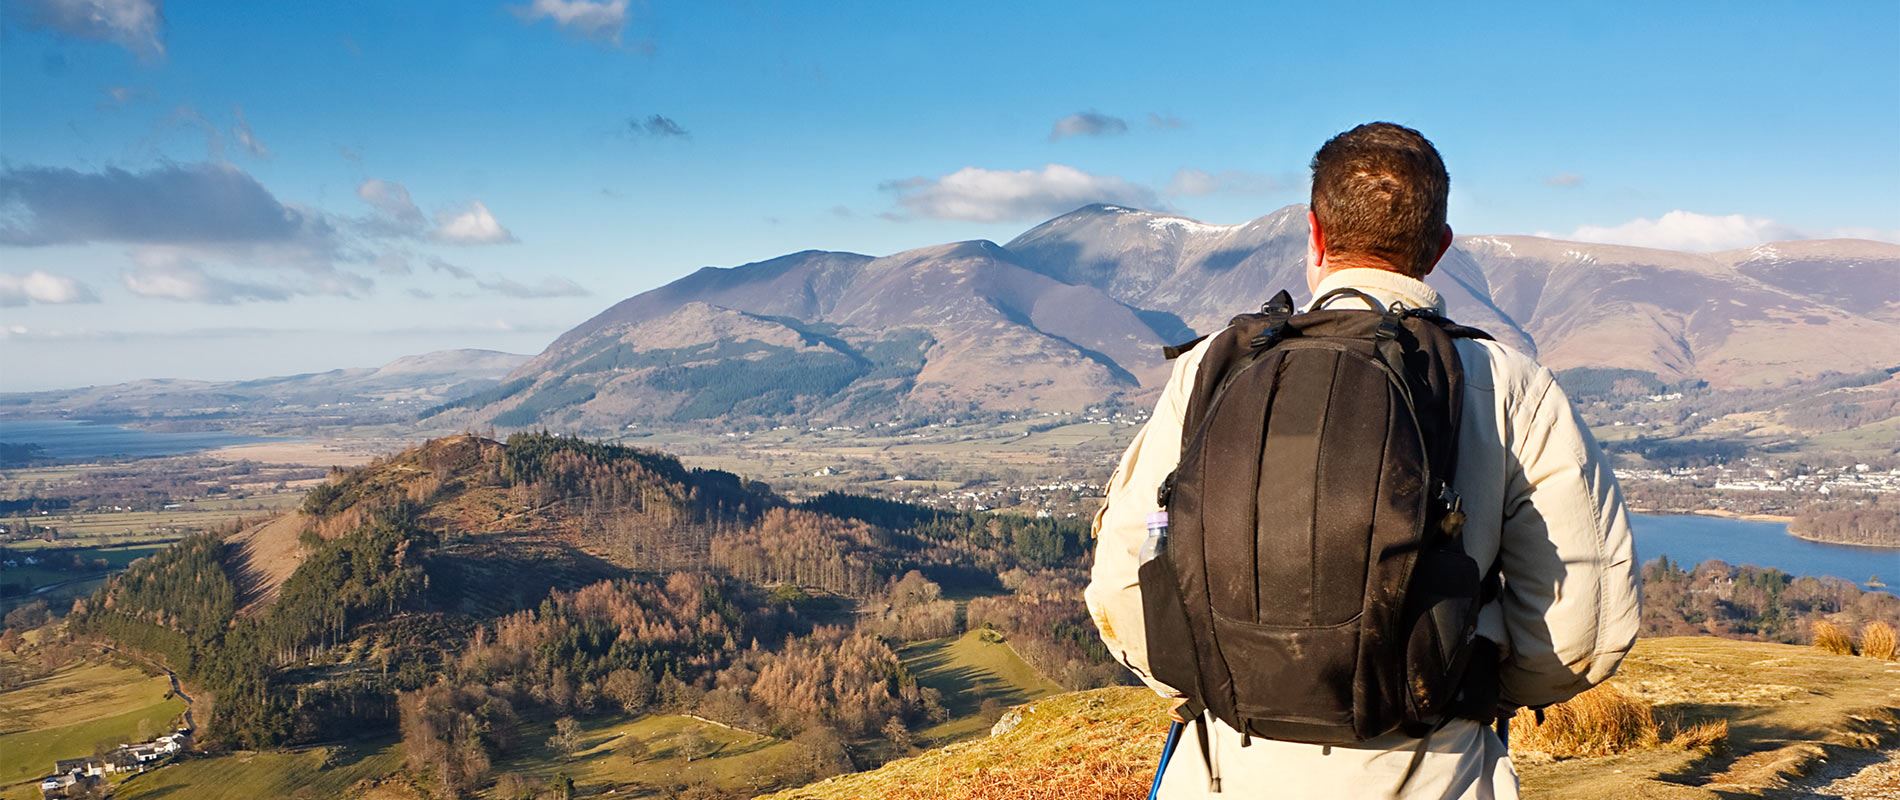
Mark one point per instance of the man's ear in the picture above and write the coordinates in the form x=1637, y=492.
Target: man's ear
x=1315, y=251
x=1444, y=245
x=1315, y=238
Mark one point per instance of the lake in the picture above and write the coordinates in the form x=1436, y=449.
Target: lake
x=1690, y=539
x=79, y=440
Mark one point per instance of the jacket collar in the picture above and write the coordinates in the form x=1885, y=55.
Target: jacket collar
x=1388, y=287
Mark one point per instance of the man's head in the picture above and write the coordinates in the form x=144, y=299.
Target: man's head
x=1379, y=195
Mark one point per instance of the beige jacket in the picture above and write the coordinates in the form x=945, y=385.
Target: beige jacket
x=1538, y=494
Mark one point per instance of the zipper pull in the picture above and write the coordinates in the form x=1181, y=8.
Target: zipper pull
x=1166, y=492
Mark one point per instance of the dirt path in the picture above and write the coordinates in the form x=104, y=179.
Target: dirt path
x=177, y=688
x=1861, y=775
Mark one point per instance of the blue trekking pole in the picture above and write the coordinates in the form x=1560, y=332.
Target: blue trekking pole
x=1167, y=752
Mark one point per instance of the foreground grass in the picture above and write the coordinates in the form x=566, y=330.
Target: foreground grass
x=1092, y=745
x=70, y=712
x=1787, y=709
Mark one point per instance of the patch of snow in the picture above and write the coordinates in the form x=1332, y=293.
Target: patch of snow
x=1578, y=255
x=1490, y=241
x=1187, y=225
x=1765, y=252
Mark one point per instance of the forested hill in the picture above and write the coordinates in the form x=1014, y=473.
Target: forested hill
x=461, y=584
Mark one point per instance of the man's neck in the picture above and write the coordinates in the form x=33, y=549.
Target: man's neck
x=1335, y=264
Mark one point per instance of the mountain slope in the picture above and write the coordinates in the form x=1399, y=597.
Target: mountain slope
x=952, y=328
x=1070, y=314
x=1761, y=317
x=1205, y=274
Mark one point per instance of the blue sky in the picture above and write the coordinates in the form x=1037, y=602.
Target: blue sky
x=224, y=189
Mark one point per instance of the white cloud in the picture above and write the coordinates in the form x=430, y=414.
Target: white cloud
x=135, y=25
x=40, y=286
x=186, y=282
x=392, y=200
x=1687, y=230
x=1190, y=182
x=601, y=20
x=1564, y=180
x=1087, y=123
x=986, y=195
x=472, y=224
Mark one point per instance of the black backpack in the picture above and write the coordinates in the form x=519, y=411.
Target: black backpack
x=1313, y=586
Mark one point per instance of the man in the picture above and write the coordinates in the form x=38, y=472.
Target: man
x=1538, y=495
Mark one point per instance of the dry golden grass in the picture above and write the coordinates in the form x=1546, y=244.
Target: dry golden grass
x=1079, y=779
x=1601, y=722
x=1096, y=745
x=1832, y=638
x=1877, y=641
x=1702, y=735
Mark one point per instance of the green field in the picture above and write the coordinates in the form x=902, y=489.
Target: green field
x=969, y=669
x=109, y=527
x=740, y=760
x=307, y=773
x=23, y=580
x=70, y=712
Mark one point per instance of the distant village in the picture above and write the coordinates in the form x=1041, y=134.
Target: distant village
x=1755, y=475
x=79, y=777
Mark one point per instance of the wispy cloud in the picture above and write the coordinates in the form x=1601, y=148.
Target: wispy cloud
x=1564, y=180
x=39, y=286
x=599, y=20
x=985, y=195
x=547, y=288
x=1165, y=122
x=451, y=270
x=395, y=208
x=657, y=126
x=1087, y=123
x=136, y=25
x=246, y=138
x=184, y=281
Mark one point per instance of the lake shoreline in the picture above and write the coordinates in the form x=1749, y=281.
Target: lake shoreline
x=1690, y=538
x=1774, y=518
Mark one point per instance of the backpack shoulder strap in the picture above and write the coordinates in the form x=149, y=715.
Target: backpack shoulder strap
x=1276, y=311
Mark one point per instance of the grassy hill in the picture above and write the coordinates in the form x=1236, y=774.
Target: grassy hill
x=1789, y=709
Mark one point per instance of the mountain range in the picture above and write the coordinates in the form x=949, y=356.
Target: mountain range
x=393, y=392
x=1073, y=313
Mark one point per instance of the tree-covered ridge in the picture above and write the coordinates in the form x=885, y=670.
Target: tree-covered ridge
x=467, y=584
x=1715, y=598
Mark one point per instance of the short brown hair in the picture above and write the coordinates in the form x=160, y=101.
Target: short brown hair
x=1380, y=190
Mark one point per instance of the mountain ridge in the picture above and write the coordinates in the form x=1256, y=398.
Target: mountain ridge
x=1071, y=313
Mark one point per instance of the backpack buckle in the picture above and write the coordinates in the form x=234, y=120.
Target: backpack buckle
x=1269, y=337
x=1452, y=520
